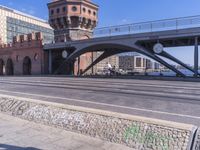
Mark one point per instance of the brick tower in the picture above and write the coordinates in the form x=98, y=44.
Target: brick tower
x=74, y=20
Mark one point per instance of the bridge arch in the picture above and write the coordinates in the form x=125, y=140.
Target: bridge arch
x=2, y=67
x=100, y=47
x=27, y=66
x=110, y=49
x=9, y=67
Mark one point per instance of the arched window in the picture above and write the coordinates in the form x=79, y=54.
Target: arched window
x=9, y=67
x=58, y=10
x=2, y=67
x=27, y=66
x=52, y=12
x=89, y=11
x=84, y=9
x=64, y=9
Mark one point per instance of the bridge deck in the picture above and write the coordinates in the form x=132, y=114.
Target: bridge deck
x=185, y=37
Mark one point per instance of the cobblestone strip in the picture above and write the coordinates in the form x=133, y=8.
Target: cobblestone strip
x=139, y=134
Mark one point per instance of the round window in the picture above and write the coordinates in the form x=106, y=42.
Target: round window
x=74, y=8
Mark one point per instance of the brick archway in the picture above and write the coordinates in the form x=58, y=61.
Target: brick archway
x=2, y=67
x=27, y=66
x=9, y=67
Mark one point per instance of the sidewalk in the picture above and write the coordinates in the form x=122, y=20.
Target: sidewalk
x=17, y=134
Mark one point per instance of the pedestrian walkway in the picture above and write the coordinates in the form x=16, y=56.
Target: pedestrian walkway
x=18, y=134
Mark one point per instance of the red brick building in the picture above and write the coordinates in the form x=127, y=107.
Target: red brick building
x=71, y=20
x=25, y=56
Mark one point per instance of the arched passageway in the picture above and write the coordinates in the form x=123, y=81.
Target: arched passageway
x=27, y=66
x=9, y=67
x=2, y=67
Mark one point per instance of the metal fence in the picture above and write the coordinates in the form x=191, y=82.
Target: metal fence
x=153, y=26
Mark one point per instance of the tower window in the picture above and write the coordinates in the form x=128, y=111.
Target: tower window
x=84, y=9
x=52, y=12
x=89, y=11
x=64, y=9
x=58, y=10
x=74, y=8
x=94, y=13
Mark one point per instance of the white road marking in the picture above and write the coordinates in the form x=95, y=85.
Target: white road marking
x=103, y=104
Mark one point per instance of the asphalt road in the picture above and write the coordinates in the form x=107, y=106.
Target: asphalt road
x=168, y=100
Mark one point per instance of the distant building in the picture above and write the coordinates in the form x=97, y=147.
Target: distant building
x=14, y=23
x=126, y=63
x=136, y=63
x=113, y=60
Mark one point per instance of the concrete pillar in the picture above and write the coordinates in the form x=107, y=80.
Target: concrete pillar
x=78, y=66
x=50, y=62
x=196, y=57
x=92, y=60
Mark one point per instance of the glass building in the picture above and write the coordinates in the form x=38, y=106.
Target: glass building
x=13, y=23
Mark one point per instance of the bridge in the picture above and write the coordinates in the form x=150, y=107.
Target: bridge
x=147, y=38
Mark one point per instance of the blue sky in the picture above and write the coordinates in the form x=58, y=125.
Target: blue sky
x=114, y=12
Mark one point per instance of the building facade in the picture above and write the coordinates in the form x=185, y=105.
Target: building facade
x=25, y=56
x=136, y=63
x=14, y=23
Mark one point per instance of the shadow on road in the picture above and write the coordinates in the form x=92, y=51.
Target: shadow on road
x=11, y=147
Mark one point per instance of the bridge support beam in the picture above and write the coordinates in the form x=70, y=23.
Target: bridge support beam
x=168, y=65
x=92, y=60
x=158, y=59
x=105, y=54
x=167, y=55
x=196, y=57
x=78, y=66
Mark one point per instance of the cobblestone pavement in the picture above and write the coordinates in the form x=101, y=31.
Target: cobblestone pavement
x=17, y=134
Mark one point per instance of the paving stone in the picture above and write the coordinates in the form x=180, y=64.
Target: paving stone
x=34, y=136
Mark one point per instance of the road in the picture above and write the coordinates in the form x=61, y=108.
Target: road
x=169, y=100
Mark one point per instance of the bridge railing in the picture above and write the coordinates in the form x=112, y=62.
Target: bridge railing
x=153, y=26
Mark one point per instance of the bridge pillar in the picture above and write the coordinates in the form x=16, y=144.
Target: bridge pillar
x=196, y=57
x=78, y=66
x=50, y=62
x=92, y=60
